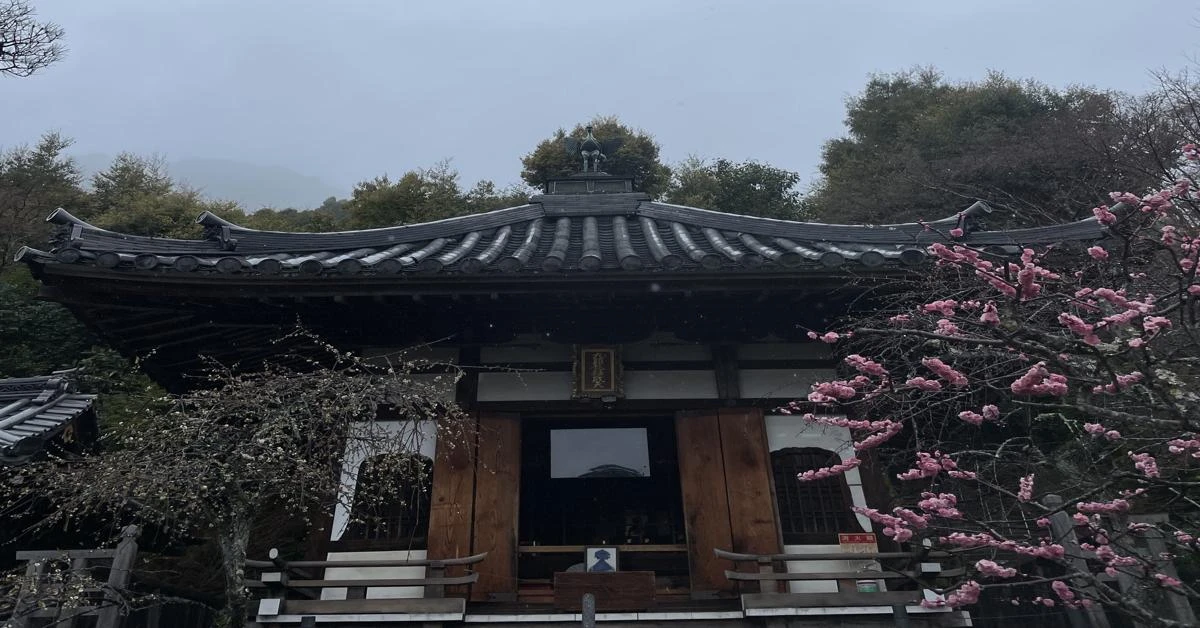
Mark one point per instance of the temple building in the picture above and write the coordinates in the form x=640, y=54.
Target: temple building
x=624, y=361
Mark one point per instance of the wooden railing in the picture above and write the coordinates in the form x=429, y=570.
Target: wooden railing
x=919, y=568
x=293, y=587
x=94, y=587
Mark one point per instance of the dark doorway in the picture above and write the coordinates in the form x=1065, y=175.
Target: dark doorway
x=593, y=482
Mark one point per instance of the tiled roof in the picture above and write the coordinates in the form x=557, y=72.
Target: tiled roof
x=553, y=235
x=35, y=409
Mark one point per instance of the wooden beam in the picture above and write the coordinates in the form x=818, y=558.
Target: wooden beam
x=725, y=365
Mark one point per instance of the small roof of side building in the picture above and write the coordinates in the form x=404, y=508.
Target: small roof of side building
x=34, y=410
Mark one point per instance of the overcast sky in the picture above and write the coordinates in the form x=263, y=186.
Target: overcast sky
x=350, y=89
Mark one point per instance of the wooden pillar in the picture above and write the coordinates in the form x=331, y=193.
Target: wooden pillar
x=118, y=578
x=452, y=502
x=497, y=488
x=705, y=499
x=1063, y=529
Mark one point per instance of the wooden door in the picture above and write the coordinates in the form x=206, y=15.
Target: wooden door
x=705, y=499
x=748, y=481
x=452, y=503
x=725, y=477
x=497, y=488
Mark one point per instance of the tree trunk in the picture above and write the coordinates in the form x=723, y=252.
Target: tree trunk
x=233, y=538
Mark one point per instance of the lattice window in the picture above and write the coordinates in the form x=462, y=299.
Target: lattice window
x=391, y=502
x=816, y=511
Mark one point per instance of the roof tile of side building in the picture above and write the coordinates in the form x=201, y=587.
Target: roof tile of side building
x=34, y=410
x=550, y=235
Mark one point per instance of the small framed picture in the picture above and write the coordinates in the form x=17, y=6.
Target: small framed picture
x=601, y=559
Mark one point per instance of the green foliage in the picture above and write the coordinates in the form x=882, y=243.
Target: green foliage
x=417, y=196
x=37, y=337
x=485, y=197
x=922, y=148
x=136, y=195
x=124, y=392
x=130, y=180
x=34, y=182
x=267, y=219
x=423, y=195
x=637, y=157
x=750, y=188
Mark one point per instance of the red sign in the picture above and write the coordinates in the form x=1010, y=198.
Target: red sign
x=858, y=543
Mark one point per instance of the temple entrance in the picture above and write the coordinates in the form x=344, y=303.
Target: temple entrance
x=601, y=483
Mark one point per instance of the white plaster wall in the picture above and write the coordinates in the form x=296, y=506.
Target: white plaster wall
x=419, y=437
x=428, y=353
x=670, y=385
x=526, y=386
x=664, y=347
x=785, y=351
x=526, y=348
x=779, y=383
x=784, y=431
x=365, y=573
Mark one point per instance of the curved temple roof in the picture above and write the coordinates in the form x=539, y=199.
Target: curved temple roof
x=551, y=235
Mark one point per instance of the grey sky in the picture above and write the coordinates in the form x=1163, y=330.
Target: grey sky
x=351, y=89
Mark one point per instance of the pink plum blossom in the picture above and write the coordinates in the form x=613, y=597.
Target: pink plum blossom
x=973, y=418
x=946, y=327
x=828, y=337
x=1145, y=463
x=1110, y=507
x=1167, y=581
x=994, y=570
x=866, y=366
x=1103, y=215
x=990, y=316
x=945, y=306
x=1025, y=493
x=1038, y=381
x=830, y=471
x=1063, y=591
x=945, y=371
x=927, y=385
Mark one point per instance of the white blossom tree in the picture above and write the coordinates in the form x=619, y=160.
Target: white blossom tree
x=202, y=464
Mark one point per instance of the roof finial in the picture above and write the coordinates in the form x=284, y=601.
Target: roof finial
x=590, y=149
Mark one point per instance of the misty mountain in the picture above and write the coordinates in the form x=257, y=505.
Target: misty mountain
x=252, y=186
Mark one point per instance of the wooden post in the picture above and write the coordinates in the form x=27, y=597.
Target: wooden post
x=118, y=579
x=765, y=565
x=1156, y=547
x=435, y=569
x=79, y=566
x=589, y=610
x=1063, y=530
x=33, y=577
